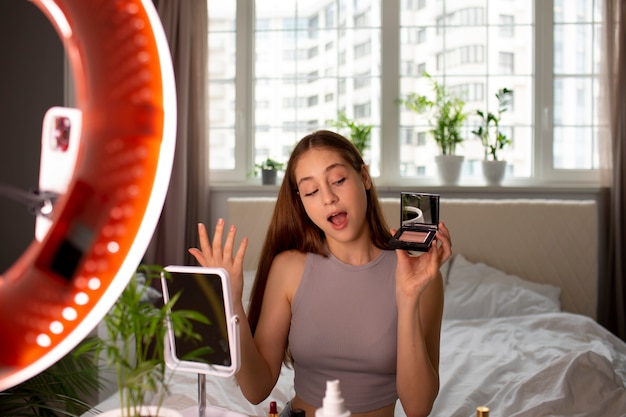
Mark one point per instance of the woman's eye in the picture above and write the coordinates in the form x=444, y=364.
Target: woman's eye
x=339, y=182
x=310, y=193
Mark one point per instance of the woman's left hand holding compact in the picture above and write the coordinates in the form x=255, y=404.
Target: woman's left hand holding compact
x=414, y=273
x=214, y=254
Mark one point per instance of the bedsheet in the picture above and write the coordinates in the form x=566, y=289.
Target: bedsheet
x=553, y=364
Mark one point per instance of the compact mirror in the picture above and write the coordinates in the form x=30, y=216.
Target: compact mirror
x=206, y=290
x=419, y=220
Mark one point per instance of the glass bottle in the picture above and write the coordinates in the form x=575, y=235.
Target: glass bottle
x=482, y=411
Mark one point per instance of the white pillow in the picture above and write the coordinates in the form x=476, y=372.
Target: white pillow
x=481, y=291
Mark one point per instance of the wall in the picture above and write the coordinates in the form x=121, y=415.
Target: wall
x=31, y=81
x=220, y=194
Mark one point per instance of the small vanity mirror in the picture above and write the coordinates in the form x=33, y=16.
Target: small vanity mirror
x=419, y=219
x=206, y=290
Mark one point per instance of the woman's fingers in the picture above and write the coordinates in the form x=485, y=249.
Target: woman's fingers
x=445, y=249
x=241, y=251
x=217, y=239
x=214, y=253
x=204, y=240
x=230, y=242
x=196, y=253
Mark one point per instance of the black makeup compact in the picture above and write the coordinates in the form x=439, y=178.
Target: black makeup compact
x=419, y=221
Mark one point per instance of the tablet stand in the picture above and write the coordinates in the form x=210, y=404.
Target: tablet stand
x=201, y=408
x=201, y=395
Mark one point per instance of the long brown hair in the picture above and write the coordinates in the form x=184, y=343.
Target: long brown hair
x=292, y=229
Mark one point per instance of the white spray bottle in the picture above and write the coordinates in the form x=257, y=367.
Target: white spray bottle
x=332, y=405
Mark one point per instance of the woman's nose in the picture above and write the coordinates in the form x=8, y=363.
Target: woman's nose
x=329, y=197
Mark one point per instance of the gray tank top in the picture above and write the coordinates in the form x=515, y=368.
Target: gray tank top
x=344, y=326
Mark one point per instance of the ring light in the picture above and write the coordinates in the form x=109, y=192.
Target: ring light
x=62, y=286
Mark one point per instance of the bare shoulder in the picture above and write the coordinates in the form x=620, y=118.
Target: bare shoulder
x=286, y=271
x=289, y=259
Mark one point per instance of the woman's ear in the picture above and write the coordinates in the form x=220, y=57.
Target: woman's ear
x=365, y=176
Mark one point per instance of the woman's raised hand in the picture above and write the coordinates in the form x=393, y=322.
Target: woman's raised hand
x=214, y=254
x=415, y=272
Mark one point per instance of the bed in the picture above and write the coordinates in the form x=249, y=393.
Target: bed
x=519, y=333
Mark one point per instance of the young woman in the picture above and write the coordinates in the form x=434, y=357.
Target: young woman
x=330, y=298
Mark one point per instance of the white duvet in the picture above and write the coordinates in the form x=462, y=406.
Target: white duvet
x=553, y=364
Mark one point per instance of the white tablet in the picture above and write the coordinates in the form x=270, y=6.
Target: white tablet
x=206, y=290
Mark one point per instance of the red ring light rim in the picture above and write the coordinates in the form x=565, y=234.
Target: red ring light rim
x=152, y=152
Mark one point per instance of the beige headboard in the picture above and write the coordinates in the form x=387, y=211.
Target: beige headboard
x=547, y=241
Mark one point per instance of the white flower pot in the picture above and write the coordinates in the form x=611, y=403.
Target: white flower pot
x=449, y=168
x=493, y=172
x=146, y=411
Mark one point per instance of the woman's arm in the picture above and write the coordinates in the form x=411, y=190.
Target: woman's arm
x=419, y=328
x=419, y=296
x=261, y=355
x=272, y=331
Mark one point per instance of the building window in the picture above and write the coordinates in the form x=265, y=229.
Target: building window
x=421, y=35
x=507, y=26
x=362, y=81
x=361, y=20
x=362, y=110
x=507, y=63
x=421, y=138
x=332, y=50
x=363, y=49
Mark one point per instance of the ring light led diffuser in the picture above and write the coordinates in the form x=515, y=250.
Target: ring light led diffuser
x=62, y=286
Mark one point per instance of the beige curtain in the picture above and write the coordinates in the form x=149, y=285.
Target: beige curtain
x=612, y=309
x=185, y=23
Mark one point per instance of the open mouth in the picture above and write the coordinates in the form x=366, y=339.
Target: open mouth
x=338, y=218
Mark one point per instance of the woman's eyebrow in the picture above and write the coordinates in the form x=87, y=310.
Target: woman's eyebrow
x=328, y=168
x=335, y=165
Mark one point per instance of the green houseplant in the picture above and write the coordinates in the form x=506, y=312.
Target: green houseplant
x=493, y=139
x=446, y=114
x=64, y=389
x=269, y=169
x=134, y=346
x=360, y=134
x=498, y=140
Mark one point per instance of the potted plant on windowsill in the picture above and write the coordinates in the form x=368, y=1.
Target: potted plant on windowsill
x=359, y=133
x=445, y=116
x=492, y=138
x=134, y=345
x=269, y=169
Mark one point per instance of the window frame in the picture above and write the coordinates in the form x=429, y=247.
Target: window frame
x=542, y=171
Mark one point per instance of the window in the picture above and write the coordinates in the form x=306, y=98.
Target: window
x=507, y=66
x=421, y=35
x=362, y=81
x=421, y=139
x=312, y=58
x=361, y=20
x=507, y=25
x=362, y=49
x=330, y=15
x=362, y=110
